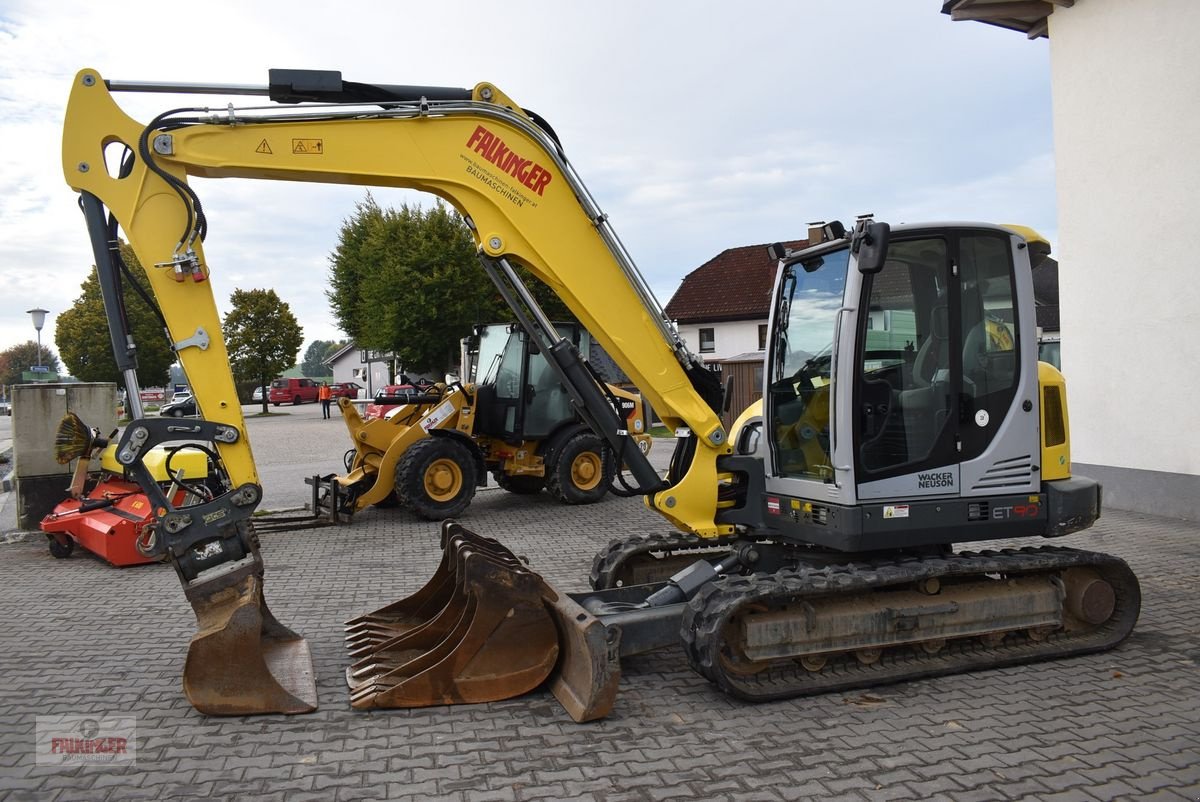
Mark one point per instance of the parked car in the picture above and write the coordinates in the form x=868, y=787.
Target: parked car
x=292, y=391
x=380, y=407
x=345, y=389
x=183, y=405
x=259, y=392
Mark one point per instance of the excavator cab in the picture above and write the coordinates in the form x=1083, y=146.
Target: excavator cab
x=902, y=387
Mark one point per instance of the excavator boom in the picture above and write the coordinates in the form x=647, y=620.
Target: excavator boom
x=498, y=166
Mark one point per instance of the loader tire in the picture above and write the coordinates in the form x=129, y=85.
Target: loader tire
x=520, y=485
x=436, y=478
x=582, y=470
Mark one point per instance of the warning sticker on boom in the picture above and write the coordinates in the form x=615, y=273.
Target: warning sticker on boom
x=308, y=147
x=264, y=147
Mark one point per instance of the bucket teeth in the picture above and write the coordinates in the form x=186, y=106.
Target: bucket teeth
x=478, y=631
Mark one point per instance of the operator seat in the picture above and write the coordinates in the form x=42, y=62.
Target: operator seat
x=934, y=353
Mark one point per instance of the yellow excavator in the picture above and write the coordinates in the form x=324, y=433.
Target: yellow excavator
x=517, y=423
x=904, y=411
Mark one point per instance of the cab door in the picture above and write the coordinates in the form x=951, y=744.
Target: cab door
x=936, y=361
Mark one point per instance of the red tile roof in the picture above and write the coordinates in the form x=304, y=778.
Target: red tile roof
x=734, y=285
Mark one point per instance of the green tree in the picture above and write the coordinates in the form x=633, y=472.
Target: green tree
x=262, y=336
x=408, y=280
x=316, y=354
x=81, y=333
x=14, y=361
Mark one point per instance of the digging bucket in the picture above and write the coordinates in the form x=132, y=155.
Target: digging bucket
x=242, y=661
x=485, y=627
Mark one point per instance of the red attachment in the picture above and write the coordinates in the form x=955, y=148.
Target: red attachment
x=110, y=532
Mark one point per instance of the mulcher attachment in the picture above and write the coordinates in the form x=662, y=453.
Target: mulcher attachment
x=484, y=628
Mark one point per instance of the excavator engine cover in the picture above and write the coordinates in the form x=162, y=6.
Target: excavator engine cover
x=484, y=628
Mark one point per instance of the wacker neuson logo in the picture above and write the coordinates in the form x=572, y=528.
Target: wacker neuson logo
x=74, y=740
x=939, y=479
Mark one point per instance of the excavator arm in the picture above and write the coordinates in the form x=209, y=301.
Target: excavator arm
x=503, y=170
x=477, y=150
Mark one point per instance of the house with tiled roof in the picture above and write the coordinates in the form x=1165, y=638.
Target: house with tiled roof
x=721, y=307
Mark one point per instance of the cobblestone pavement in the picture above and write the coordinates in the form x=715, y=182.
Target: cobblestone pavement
x=78, y=637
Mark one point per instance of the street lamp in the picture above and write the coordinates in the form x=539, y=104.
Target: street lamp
x=39, y=319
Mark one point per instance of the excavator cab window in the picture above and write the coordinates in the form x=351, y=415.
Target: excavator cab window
x=989, y=338
x=801, y=374
x=904, y=368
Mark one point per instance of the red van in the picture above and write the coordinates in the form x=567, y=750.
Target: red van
x=292, y=391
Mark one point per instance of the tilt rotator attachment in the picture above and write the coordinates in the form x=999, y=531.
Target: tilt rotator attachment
x=485, y=627
x=241, y=661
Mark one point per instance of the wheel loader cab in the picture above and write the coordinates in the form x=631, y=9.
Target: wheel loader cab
x=912, y=382
x=522, y=399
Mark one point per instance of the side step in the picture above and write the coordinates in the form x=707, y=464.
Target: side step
x=483, y=628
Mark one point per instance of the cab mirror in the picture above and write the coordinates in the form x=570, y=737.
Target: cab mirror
x=870, y=244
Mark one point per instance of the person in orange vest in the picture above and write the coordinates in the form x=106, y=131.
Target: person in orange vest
x=325, y=396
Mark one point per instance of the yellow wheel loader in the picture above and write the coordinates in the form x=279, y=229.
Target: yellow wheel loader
x=819, y=542
x=517, y=423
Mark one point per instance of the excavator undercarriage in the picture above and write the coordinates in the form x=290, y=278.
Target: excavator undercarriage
x=761, y=620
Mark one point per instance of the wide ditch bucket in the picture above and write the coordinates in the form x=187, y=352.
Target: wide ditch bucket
x=242, y=661
x=483, y=628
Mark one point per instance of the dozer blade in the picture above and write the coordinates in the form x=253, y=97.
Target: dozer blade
x=588, y=673
x=242, y=661
x=498, y=631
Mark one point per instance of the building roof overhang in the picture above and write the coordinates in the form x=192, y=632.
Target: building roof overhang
x=1030, y=17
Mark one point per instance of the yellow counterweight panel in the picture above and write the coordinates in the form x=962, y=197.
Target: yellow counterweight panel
x=482, y=161
x=1056, y=428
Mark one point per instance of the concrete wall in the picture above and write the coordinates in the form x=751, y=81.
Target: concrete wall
x=730, y=339
x=37, y=409
x=1126, y=94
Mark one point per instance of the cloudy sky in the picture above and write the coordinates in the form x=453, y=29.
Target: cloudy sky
x=698, y=126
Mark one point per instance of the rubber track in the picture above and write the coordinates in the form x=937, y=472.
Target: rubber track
x=616, y=556
x=716, y=606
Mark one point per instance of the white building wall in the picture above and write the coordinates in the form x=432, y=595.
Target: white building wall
x=730, y=338
x=1126, y=94
x=349, y=368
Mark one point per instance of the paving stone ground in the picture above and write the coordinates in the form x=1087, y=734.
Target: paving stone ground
x=79, y=637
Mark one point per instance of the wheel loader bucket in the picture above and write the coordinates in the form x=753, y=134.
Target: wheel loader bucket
x=242, y=661
x=483, y=628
